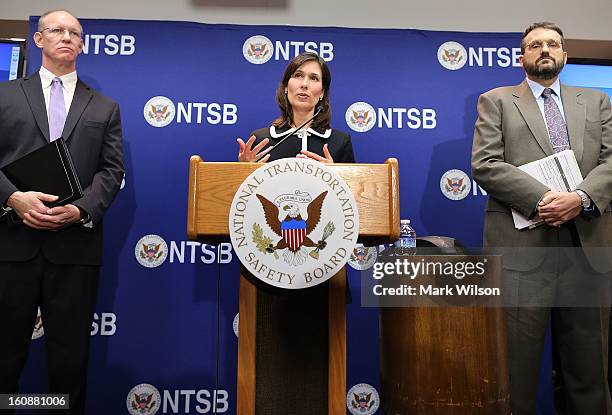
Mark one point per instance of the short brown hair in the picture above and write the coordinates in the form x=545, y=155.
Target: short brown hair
x=541, y=25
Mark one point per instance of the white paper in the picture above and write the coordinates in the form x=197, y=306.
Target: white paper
x=560, y=172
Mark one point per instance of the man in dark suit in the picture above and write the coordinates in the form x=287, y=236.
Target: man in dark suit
x=517, y=125
x=51, y=257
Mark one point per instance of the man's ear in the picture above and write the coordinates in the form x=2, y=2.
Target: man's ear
x=38, y=39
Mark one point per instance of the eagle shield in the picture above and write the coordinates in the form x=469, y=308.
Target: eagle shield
x=293, y=232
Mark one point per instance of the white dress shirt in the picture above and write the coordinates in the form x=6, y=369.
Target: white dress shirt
x=537, y=90
x=69, y=82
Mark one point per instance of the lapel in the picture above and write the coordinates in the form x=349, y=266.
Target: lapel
x=575, y=118
x=32, y=88
x=82, y=96
x=279, y=132
x=530, y=111
x=276, y=133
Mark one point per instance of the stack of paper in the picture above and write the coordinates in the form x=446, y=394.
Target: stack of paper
x=560, y=172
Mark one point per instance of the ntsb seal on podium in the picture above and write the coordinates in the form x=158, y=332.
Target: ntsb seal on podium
x=294, y=223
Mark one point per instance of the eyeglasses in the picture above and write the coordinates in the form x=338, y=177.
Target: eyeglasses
x=61, y=31
x=538, y=44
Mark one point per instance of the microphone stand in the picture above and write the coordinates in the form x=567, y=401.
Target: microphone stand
x=290, y=133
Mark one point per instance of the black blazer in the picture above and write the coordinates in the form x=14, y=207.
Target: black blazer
x=339, y=143
x=93, y=136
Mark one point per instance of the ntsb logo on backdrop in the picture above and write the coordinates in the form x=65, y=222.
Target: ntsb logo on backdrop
x=453, y=55
x=160, y=111
x=146, y=399
x=363, y=257
x=361, y=117
x=103, y=324
x=143, y=399
x=362, y=399
x=259, y=49
x=96, y=44
x=455, y=184
x=151, y=251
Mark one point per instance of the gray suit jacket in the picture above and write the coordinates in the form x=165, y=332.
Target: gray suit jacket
x=510, y=131
x=93, y=136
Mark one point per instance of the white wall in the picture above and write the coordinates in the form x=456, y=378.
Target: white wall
x=580, y=19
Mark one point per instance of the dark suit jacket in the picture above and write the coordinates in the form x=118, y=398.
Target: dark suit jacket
x=511, y=131
x=93, y=136
x=339, y=143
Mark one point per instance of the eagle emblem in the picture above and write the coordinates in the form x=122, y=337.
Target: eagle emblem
x=362, y=401
x=362, y=257
x=150, y=252
x=361, y=118
x=142, y=403
x=293, y=229
x=258, y=50
x=360, y=252
x=159, y=112
x=454, y=185
x=452, y=56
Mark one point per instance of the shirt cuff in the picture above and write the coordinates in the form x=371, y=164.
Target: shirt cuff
x=85, y=221
x=591, y=209
x=535, y=212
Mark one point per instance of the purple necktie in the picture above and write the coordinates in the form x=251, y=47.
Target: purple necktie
x=57, y=110
x=557, y=129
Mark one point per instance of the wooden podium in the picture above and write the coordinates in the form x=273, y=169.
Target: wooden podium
x=212, y=186
x=445, y=360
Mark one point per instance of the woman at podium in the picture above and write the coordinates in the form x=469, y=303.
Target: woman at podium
x=293, y=325
x=304, y=125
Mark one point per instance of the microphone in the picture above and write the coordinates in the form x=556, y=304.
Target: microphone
x=288, y=134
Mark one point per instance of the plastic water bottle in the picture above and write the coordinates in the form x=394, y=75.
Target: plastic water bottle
x=406, y=244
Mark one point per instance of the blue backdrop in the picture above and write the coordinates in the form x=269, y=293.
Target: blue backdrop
x=171, y=325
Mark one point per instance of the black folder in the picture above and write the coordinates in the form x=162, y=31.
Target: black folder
x=48, y=169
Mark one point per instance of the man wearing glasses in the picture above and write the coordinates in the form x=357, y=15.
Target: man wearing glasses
x=51, y=257
x=517, y=125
